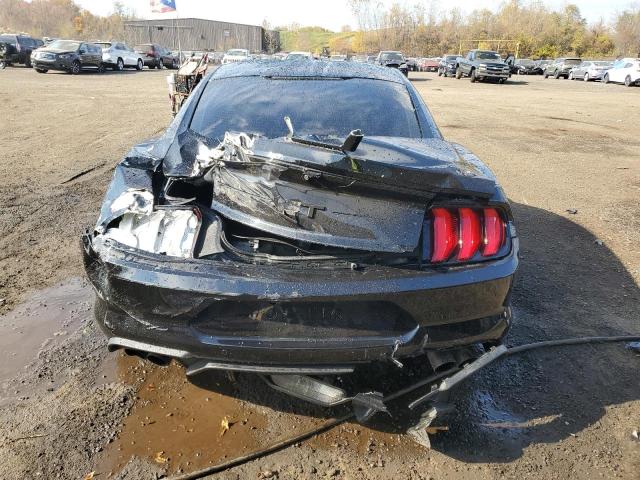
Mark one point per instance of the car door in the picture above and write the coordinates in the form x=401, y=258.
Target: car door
x=625, y=71
x=97, y=54
x=84, y=55
x=581, y=69
x=132, y=57
x=615, y=74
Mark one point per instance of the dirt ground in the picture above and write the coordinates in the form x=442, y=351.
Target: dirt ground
x=568, y=156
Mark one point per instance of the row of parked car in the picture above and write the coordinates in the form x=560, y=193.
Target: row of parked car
x=485, y=64
x=74, y=55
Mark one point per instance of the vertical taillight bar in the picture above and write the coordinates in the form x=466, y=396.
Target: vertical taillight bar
x=470, y=234
x=494, y=234
x=445, y=234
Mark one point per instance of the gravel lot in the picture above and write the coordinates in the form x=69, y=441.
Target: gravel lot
x=568, y=156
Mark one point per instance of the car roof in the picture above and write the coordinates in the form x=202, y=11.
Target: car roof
x=302, y=69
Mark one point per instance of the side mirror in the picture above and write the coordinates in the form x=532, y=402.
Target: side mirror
x=82, y=51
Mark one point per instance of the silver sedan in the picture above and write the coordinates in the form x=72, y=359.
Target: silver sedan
x=589, y=70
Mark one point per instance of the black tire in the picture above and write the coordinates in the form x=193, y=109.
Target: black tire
x=439, y=72
x=605, y=79
x=120, y=65
x=3, y=65
x=27, y=63
x=472, y=76
x=502, y=81
x=628, y=82
x=458, y=73
x=140, y=64
x=586, y=77
x=41, y=70
x=101, y=68
x=160, y=64
x=174, y=64
x=545, y=76
x=75, y=68
x=556, y=74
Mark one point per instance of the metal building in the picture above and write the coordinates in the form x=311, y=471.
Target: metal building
x=200, y=34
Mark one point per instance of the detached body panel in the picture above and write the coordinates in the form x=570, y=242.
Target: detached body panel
x=300, y=244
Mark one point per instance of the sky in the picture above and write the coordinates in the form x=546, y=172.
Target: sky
x=331, y=14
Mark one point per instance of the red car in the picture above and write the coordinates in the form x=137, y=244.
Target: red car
x=428, y=65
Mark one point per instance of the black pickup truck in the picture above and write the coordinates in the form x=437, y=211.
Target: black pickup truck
x=481, y=65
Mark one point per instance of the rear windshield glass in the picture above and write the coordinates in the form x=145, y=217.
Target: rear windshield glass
x=142, y=48
x=316, y=107
x=573, y=61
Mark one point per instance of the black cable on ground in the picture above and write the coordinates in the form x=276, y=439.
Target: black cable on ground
x=330, y=424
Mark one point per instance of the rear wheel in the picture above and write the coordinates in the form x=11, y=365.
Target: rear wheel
x=75, y=68
x=458, y=73
x=606, y=78
x=628, y=82
x=571, y=76
x=139, y=65
x=174, y=64
x=472, y=76
x=586, y=77
x=556, y=74
x=3, y=65
x=120, y=65
x=160, y=65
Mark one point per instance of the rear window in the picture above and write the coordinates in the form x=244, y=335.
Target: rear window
x=316, y=107
x=142, y=48
x=573, y=61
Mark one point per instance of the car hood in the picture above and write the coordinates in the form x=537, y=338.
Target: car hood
x=55, y=50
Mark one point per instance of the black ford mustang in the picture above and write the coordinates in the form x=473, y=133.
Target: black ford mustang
x=301, y=218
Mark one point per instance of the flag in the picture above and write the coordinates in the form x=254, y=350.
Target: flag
x=163, y=6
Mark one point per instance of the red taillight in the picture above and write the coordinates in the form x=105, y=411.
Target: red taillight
x=445, y=234
x=468, y=230
x=493, y=232
x=470, y=234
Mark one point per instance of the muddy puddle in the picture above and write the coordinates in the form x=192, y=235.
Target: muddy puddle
x=176, y=424
x=46, y=317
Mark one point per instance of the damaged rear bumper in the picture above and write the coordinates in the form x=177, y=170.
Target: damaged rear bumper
x=275, y=319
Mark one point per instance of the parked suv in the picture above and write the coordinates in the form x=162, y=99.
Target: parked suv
x=71, y=56
x=561, y=67
x=118, y=56
x=15, y=48
x=393, y=59
x=155, y=56
x=447, y=65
